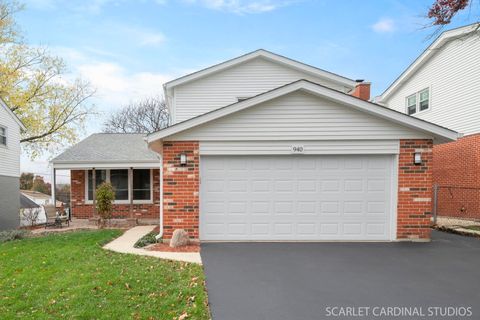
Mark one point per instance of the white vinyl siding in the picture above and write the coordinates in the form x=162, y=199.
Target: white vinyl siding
x=9, y=153
x=310, y=147
x=296, y=117
x=452, y=76
x=226, y=87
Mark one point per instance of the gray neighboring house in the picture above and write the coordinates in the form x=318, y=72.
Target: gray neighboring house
x=10, y=130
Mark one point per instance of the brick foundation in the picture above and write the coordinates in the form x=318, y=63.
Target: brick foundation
x=120, y=211
x=180, y=188
x=457, y=164
x=414, y=190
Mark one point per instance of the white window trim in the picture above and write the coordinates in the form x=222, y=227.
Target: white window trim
x=417, y=102
x=6, y=137
x=130, y=191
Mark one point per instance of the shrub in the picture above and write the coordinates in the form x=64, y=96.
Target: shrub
x=147, y=239
x=105, y=194
x=9, y=235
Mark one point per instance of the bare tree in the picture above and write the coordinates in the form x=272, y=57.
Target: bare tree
x=30, y=216
x=145, y=116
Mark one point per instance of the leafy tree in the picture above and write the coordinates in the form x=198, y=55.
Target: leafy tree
x=442, y=11
x=145, y=116
x=36, y=87
x=40, y=185
x=26, y=181
x=104, y=196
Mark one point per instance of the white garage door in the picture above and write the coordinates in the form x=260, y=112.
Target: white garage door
x=295, y=197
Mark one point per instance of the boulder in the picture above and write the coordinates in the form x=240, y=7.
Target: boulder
x=179, y=238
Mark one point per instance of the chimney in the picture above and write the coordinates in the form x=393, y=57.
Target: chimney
x=362, y=90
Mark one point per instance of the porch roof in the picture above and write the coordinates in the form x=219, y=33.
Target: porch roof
x=108, y=150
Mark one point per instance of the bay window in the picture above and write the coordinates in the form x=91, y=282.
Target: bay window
x=121, y=180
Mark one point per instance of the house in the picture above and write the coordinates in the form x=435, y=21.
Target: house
x=31, y=213
x=10, y=130
x=443, y=86
x=40, y=198
x=262, y=148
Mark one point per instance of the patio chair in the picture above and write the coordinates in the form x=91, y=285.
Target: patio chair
x=54, y=219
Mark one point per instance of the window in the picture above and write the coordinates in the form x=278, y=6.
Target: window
x=119, y=181
x=423, y=104
x=423, y=100
x=412, y=104
x=100, y=177
x=120, y=178
x=3, y=136
x=141, y=184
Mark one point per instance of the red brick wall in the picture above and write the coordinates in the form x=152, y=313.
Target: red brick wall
x=457, y=164
x=415, y=184
x=84, y=211
x=180, y=188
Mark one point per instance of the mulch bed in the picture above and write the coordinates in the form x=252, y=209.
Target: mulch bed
x=194, y=247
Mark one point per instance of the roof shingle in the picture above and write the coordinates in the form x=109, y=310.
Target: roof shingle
x=109, y=147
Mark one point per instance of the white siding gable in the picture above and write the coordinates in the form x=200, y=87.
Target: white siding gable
x=453, y=77
x=10, y=155
x=298, y=116
x=242, y=81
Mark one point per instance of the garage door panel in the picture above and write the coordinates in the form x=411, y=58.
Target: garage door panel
x=295, y=197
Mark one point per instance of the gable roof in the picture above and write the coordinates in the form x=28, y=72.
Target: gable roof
x=27, y=203
x=428, y=53
x=120, y=148
x=440, y=133
x=35, y=194
x=266, y=55
x=13, y=115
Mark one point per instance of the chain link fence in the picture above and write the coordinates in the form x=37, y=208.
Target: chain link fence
x=456, y=207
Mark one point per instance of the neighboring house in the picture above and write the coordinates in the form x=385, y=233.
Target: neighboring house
x=443, y=86
x=40, y=198
x=10, y=130
x=31, y=213
x=262, y=148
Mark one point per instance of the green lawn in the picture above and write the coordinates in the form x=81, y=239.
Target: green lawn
x=71, y=276
x=476, y=228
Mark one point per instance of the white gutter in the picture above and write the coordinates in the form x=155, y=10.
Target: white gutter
x=160, y=234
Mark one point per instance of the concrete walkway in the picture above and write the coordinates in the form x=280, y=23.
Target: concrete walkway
x=124, y=244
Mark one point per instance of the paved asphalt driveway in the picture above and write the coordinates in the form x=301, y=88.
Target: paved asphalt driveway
x=296, y=281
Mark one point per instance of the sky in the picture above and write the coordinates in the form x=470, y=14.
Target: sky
x=128, y=49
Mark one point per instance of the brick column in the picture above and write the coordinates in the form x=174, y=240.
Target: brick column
x=77, y=196
x=180, y=188
x=415, y=186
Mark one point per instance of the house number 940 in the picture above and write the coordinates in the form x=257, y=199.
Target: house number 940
x=297, y=149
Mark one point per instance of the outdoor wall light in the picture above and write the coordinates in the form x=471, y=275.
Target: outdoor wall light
x=417, y=158
x=183, y=159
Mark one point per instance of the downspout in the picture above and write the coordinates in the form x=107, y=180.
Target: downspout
x=160, y=207
x=160, y=234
